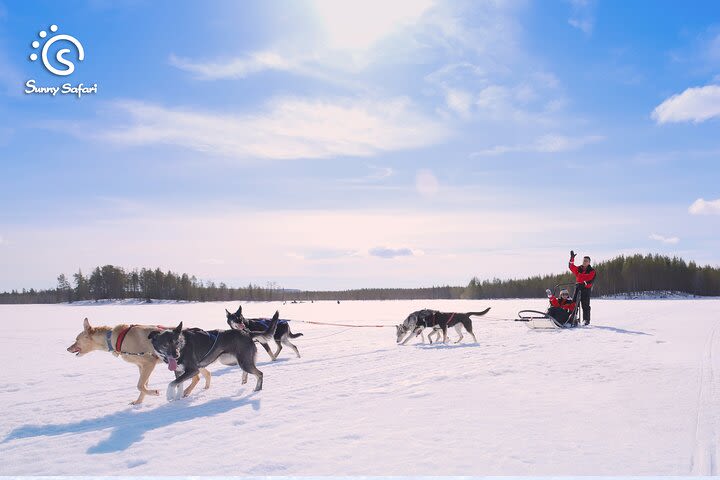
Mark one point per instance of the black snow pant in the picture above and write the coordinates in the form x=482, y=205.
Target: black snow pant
x=559, y=314
x=585, y=303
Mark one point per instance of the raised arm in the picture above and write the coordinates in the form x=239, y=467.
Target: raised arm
x=571, y=263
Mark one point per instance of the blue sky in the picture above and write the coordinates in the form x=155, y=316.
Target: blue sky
x=325, y=144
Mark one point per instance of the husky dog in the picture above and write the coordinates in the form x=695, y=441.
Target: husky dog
x=129, y=342
x=186, y=351
x=282, y=335
x=416, y=322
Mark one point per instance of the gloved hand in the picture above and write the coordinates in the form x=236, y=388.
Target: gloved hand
x=548, y=292
x=572, y=255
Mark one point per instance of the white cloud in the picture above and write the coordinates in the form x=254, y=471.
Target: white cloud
x=693, y=105
x=337, y=35
x=237, y=67
x=448, y=246
x=459, y=101
x=426, y=183
x=544, y=144
x=288, y=128
x=378, y=174
x=585, y=25
x=663, y=239
x=705, y=207
x=582, y=16
x=386, y=252
x=360, y=25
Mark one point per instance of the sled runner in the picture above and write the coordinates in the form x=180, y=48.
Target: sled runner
x=542, y=321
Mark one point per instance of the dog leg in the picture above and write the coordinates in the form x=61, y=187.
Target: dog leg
x=207, y=376
x=472, y=334
x=445, y=336
x=247, y=363
x=287, y=342
x=458, y=329
x=273, y=356
x=412, y=334
x=149, y=368
x=279, y=345
x=190, y=387
x=244, y=378
x=145, y=370
x=170, y=394
x=469, y=328
x=140, y=387
x=174, y=390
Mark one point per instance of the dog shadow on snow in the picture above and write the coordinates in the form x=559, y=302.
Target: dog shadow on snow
x=438, y=346
x=129, y=426
x=620, y=330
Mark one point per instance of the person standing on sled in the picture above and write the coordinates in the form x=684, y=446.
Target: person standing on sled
x=562, y=307
x=584, y=276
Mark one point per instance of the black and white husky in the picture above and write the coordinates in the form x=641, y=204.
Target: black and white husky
x=282, y=334
x=187, y=351
x=418, y=321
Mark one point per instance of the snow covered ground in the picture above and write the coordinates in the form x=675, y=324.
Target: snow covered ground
x=637, y=394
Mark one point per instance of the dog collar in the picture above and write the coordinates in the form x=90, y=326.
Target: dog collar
x=108, y=336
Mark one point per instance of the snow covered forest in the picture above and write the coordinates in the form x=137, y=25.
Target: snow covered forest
x=621, y=275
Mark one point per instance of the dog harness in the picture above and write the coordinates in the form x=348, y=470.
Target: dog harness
x=215, y=339
x=121, y=339
x=435, y=322
x=266, y=322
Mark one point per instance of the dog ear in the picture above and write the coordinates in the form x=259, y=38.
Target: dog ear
x=86, y=325
x=239, y=310
x=178, y=329
x=227, y=314
x=153, y=334
x=277, y=315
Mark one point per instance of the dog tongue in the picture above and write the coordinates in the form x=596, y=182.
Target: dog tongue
x=172, y=364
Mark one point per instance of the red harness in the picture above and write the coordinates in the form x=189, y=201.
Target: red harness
x=121, y=337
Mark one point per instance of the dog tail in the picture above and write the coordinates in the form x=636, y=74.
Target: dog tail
x=478, y=313
x=270, y=331
x=294, y=335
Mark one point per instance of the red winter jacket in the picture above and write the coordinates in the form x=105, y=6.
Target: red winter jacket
x=568, y=305
x=582, y=275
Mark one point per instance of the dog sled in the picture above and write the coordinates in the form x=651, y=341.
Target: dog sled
x=537, y=320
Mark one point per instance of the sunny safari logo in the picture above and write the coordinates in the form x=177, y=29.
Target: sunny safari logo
x=63, y=66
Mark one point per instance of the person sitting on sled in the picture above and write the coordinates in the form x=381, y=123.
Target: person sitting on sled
x=562, y=307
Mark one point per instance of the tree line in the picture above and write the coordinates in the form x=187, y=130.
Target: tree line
x=111, y=282
x=621, y=275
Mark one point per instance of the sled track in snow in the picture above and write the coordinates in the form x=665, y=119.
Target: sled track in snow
x=704, y=458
